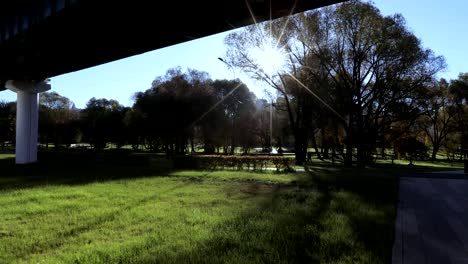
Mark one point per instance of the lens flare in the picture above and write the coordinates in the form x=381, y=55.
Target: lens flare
x=215, y=105
x=269, y=57
x=317, y=97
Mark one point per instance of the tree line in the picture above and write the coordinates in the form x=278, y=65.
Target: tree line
x=182, y=112
x=189, y=112
x=356, y=83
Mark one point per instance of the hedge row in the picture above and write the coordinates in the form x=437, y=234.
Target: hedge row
x=213, y=162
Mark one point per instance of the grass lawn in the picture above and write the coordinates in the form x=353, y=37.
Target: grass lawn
x=398, y=166
x=97, y=210
x=431, y=165
x=7, y=156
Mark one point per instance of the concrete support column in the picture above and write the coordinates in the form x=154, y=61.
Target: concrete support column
x=27, y=117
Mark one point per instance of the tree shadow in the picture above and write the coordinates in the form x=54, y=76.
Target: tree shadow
x=273, y=232
x=76, y=168
x=287, y=227
x=375, y=187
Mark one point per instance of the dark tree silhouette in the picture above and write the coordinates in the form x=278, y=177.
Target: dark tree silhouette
x=7, y=123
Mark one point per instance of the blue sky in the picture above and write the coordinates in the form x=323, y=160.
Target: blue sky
x=439, y=24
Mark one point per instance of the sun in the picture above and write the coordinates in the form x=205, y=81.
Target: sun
x=269, y=57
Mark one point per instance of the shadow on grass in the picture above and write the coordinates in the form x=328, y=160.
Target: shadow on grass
x=291, y=224
x=295, y=224
x=373, y=188
x=284, y=228
x=435, y=169
x=58, y=168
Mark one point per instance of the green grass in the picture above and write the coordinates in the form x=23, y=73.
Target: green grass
x=425, y=165
x=266, y=177
x=90, y=210
x=386, y=166
x=7, y=156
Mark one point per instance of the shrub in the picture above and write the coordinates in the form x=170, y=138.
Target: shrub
x=412, y=149
x=212, y=162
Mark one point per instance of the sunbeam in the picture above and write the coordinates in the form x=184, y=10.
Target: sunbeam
x=285, y=24
x=215, y=105
x=318, y=97
x=272, y=58
x=251, y=12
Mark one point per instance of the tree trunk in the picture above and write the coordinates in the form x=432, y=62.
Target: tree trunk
x=300, y=154
x=360, y=139
x=231, y=151
x=314, y=143
x=348, y=161
x=333, y=155
x=300, y=146
x=361, y=155
x=349, y=155
x=325, y=146
x=326, y=152
x=462, y=144
x=435, y=149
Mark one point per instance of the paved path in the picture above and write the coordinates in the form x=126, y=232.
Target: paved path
x=432, y=219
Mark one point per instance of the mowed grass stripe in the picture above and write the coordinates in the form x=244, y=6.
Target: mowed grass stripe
x=44, y=220
x=193, y=217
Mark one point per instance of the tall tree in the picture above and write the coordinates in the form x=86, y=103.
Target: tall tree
x=237, y=104
x=439, y=113
x=58, y=121
x=377, y=67
x=267, y=38
x=459, y=92
x=103, y=122
x=173, y=107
